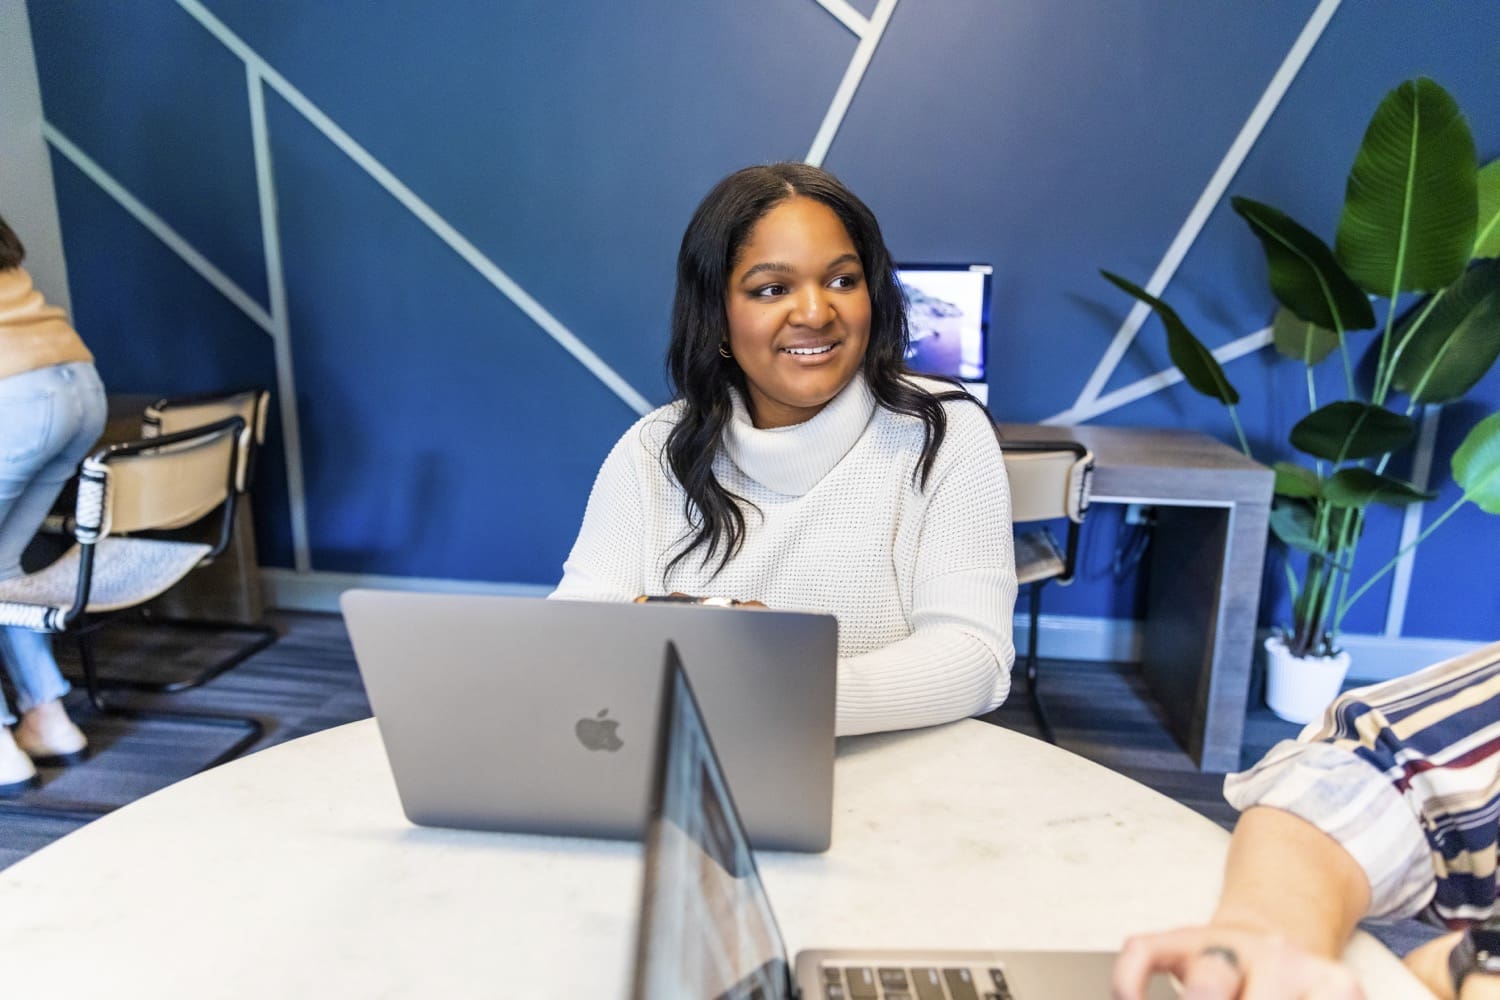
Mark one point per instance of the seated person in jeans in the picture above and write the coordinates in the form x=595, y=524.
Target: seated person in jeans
x=52, y=411
x=1389, y=807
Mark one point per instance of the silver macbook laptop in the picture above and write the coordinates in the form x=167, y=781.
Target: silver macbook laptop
x=707, y=931
x=533, y=716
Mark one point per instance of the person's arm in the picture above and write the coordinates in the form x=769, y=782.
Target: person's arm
x=607, y=561
x=1292, y=897
x=956, y=662
x=1400, y=781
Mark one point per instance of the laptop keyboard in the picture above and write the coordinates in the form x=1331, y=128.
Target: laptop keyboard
x=922, y=983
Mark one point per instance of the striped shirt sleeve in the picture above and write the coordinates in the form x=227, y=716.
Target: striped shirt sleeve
x=1405, y=775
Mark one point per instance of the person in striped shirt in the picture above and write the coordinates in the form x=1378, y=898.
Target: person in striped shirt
x=1387, y=807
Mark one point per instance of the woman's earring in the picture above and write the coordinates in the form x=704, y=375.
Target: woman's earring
x=723, y=351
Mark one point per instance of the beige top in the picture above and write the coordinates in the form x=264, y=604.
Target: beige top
x=33, y=334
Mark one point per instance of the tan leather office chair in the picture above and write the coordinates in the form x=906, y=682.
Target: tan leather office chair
x=1049, y=481
x=138, y=504
x=174, y=415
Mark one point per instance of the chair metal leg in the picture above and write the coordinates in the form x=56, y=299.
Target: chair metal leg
x=1032, y=693
x=252, y=728
x=261, y=636
x=82, y=812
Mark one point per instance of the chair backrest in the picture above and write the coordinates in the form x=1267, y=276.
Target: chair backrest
x=160, y=483
x=1048, y=479
x=180, y=413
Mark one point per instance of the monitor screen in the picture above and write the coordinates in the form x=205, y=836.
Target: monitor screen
x=949, y=316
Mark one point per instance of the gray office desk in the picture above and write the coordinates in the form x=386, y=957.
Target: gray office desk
x=1207, y=556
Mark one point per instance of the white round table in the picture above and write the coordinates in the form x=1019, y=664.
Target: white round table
x=293, y=872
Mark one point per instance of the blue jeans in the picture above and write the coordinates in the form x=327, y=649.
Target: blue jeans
x=49, y=420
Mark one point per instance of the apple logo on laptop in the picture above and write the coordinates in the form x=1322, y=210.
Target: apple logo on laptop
x=598, y=733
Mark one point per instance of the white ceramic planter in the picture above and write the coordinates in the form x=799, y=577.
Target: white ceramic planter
x=1299, y=688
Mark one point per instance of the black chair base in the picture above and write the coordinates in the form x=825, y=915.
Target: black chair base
x=260, y=636
x=251, y=729
x=82, y=812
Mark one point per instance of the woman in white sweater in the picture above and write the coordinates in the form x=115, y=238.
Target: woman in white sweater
x=804, y=467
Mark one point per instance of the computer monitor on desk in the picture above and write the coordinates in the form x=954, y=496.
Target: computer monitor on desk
x=949, y=316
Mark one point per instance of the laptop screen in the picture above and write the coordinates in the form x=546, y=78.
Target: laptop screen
x=706, y=928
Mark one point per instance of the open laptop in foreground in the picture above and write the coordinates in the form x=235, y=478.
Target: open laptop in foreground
x=707, y=931
x=532, y=716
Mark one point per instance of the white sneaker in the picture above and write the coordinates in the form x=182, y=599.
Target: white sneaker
x=17, y=772
x=49, y=736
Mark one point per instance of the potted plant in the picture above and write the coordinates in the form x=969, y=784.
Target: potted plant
x=1419, y=234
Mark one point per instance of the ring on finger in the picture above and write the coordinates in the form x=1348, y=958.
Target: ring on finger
x=1224, y=953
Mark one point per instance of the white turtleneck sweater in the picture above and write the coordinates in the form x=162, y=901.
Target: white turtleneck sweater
x=922, y=581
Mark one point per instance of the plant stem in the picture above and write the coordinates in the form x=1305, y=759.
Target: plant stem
x=1308, y=625
x=1378, y=396
x=1349, y=543
x=1385, y=387
x=1421, y=386
x=1234, y=416
x=1344, y=607
x=1348, y=368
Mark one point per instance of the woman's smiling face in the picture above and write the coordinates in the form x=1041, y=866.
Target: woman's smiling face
x=798, y=311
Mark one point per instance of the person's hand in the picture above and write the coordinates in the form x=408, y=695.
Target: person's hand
x=1429, y=963
x=679, y=595
x=1228, y=962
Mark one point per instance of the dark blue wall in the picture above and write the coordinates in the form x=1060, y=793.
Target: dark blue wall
x=443, y=434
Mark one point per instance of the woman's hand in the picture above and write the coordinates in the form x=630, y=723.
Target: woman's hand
x=1228, y=962
x=682, y=598
x=1429, y=963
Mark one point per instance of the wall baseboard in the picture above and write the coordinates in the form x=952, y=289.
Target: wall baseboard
x=1062, y=636
x=1380, y=658
x=293, y=591
x=1066, y=637
x=1076, y=637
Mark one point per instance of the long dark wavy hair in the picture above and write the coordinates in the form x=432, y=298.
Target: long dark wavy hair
x=11, y=250
x=701, y=376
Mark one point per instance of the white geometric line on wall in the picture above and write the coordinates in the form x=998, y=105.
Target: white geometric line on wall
x=853, y=75
x=847, y=15
x=158, y=228
x=286, y=382
x=1411, y=521
x=1248, y=344
x=440, y=227
x=260, y=73
x=1212, y=194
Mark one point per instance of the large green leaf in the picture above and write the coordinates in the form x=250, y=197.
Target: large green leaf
x=1292, y=521
x=1355, y=488
x=1476, y=464
x=1457, y=342
x=1295, y=481
x=1305, y=277
x=1410, y=205
x=1349, y=430
x=1300, y=340
x=1487, y=238
x=1196, y=362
